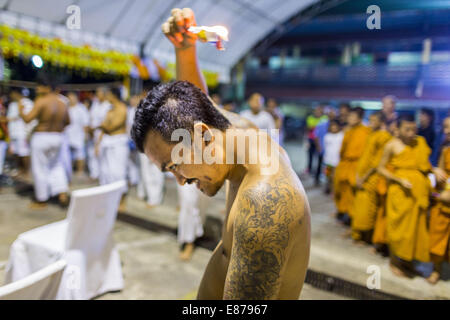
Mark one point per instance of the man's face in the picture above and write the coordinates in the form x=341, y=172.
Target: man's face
x=334, y=128
x=318, y=112
x=271, y=104
x=331, y=114
x=209, y=178
x=388, y=105
x=229, y=106
x=424, y=120
x=134, y=100
x=447, y=128
x=72, y=98
x=255, y=103
x=343, y=111
x=100, y=94
x=14, y=96
x=353, y=119
x=42, y=89
x=407, y=130
x=375, y=122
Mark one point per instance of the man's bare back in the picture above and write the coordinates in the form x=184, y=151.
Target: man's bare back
x=51, y=112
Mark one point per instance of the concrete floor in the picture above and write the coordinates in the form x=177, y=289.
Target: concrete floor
x=151, y=266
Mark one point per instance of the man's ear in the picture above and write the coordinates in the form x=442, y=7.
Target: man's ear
x=205, y=132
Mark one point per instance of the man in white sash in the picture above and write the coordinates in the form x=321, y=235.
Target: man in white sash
x=112, y=146
x=190, y=224
x=19, y=131
x=100, y=106
x=133, y=160
x=76, y=131
x=52, y=115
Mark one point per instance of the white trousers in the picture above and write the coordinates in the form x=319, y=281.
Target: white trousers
x=152, y=181
x=114, y=153
x=3, y=148
x=93, y=161
x=133, y=168
x=190, y=224
x=66, y=157
x=20, y=147
x=48, y=171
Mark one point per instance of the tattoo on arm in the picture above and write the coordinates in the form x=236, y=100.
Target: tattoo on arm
x=262, y=231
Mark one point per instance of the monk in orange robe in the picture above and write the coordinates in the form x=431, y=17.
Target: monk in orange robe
x=353, y=144
x=440, y=213
x=366, y=202
x=379, y=238
x=407, y=199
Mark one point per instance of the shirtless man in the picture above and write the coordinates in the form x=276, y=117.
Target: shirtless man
x=48, y=172
x=264, y=250
x=112, y=147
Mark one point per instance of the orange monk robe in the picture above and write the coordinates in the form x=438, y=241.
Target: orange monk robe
x=345, y=174
x=379, y=231
x=440, y=219
x=406, y=210
x=366, y=201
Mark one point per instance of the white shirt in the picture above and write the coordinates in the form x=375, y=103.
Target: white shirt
x=262, y=120
x=130, y=118
x=332, y=145
x=17, y=128
x=79, y=119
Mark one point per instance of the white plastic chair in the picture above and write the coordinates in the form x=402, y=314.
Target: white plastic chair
x=41, y=285
x=84, y=239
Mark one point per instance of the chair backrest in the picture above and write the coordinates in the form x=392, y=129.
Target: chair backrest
x=40, y=285
x=91, y=216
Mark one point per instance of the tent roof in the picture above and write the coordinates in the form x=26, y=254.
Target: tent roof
x=135, y=22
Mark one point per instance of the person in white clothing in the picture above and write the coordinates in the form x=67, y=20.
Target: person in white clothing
x=151, y=184
x=332, y=146
x=76, y=131
x=190, y=224
x=49, y=176
x=99, y=108
x=19, y=131
x=262, y=119
x=112, y=145
x=133, y=160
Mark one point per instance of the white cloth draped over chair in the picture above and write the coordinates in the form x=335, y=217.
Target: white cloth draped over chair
x=84, y=239
x=40, y=285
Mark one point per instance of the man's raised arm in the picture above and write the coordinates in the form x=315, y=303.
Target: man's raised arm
x=176, y=30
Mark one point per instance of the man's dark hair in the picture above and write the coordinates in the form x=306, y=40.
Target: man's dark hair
x=171, y=106
x=45, y=81
x=336, y=122
x=344, y=105
x=429, y=112
x=407, y=117
x=380, y=115
x=115, y=92
x=359, y=111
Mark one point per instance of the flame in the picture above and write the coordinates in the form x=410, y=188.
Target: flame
x=220, y=31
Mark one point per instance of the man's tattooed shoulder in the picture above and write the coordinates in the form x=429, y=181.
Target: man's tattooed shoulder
x=262, y=230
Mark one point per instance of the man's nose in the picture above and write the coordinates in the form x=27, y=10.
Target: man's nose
x=180, y=179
